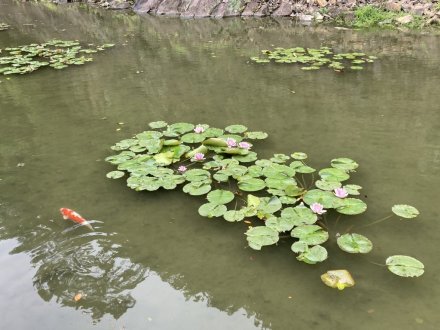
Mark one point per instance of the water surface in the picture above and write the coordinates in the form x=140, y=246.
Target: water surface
x=153, y=262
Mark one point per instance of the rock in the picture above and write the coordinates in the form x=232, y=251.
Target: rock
x=433, y=21
x=321, y=3
x=200, y=8
x=351, y=3
x=417, y=9
x=146, y=6
x=404, y=19
x=118, y=4
x=305, y=18
x=220, y=10
x=285, y=9
x=251, y=8
x=393, y=6
x=263, y=11
x=169, y=7
x=318, y=16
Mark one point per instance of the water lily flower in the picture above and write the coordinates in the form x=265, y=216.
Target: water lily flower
x=198, y=156
x=245, y=145
x=182, y=169
x=341, y=192
x=317, y=208
x=231, y=142
x=199, y=129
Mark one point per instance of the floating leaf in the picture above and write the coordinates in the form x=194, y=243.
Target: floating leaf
x=333, y=174
x=157, y=124
x=268, y=206
x=325, y=198
x=405, y=266
x=196, y=189
x=405, y=211
x=339, y=279
x=234, y=129
x=299, y=247
x=352, y=189
x=211, y=210
x=327, y=185
x=197, y=174
x=220, y=196
x=345, y=164
x=115, y=174
x=192, y=138
x=299, y=215
x=354, y=243
x=299, y=155
x=258, y=237
x=313, y=255
x=310, y=234
x=250, y=157
x=256, y=135
x=279, y=224
x=234, y=215
x=251, y=184
x=351, y=206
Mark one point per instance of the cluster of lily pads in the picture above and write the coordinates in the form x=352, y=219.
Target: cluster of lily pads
x=314, y=59
x=4, y=26
x=280, y=193
x=58, y=54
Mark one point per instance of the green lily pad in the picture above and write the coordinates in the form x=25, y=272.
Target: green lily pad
x=196, y=189
x=279, y=158
x=211, y=210
x=354, y=243
x=250, y=157
x=405, y=211
x=258, y=237
x=234, y=215
x=220, y=196
x=351, y=206
x=333, y=174
x=325, y=198
x=313, y=255
x=405, y=266
x=299, y=155
x=339, y=279
x=197, y=174
x=299, y=247
x=279, y=224
x=234, y=129
x=115, y=174
x=327, y=185
x=157, y=124
x=212, y=132
x=192, y=138
x=352, y=189
x=256, y=135
x=268, y=206
x=251, y=184
x=299, y=215
x=310, y=234
x=345, y=164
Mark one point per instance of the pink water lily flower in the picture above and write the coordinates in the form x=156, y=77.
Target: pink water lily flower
x=198, y=156
x=341, y=192
x=317, y=208
x=231, y=142
x=245, y=145
x=199, y=129
x=182, y=169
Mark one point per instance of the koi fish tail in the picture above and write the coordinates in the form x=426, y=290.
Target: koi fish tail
x=88, y=225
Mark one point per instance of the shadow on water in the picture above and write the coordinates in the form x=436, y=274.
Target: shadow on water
x=60, y=124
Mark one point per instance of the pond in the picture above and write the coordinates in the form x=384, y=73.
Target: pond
x=153, y=262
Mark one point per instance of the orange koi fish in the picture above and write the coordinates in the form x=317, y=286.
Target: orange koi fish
x=72, y=215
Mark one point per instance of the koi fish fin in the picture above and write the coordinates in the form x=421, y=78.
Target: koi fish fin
x=88, y=225
x=65, y=217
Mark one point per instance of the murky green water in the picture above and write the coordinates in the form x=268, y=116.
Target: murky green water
x=153, y=262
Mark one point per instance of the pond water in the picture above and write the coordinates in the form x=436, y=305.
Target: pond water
x=153, y=262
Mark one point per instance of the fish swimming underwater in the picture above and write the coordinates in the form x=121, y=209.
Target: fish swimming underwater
x=72, y=215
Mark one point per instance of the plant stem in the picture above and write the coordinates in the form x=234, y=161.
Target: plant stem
x=377, y=221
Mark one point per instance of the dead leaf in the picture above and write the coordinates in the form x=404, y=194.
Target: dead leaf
x=77, y=297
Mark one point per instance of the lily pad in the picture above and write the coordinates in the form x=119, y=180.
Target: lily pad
x=256, y=135
x=327, y=185
x=333, y=174
x=157, y=124
x=299, y=215
x=345, y=164
x=325, y=198
x=220, y=196
x=354, y=243
x=405, y=266
x=192, y=138
x=251, y=184
x=279, y=224
x=351, y=206
x=299, y=247
x=195, y=189
x=405, y=211
x=234, y=215
x=352, y=189
x=115, y=174
x=258, y=237
x=310, y=234
x=313, y=255
x=211, y=210
x=234, y=129
x=299, y=155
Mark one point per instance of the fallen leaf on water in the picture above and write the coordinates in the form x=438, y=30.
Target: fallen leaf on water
x=248, y=222
x=78, y=297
